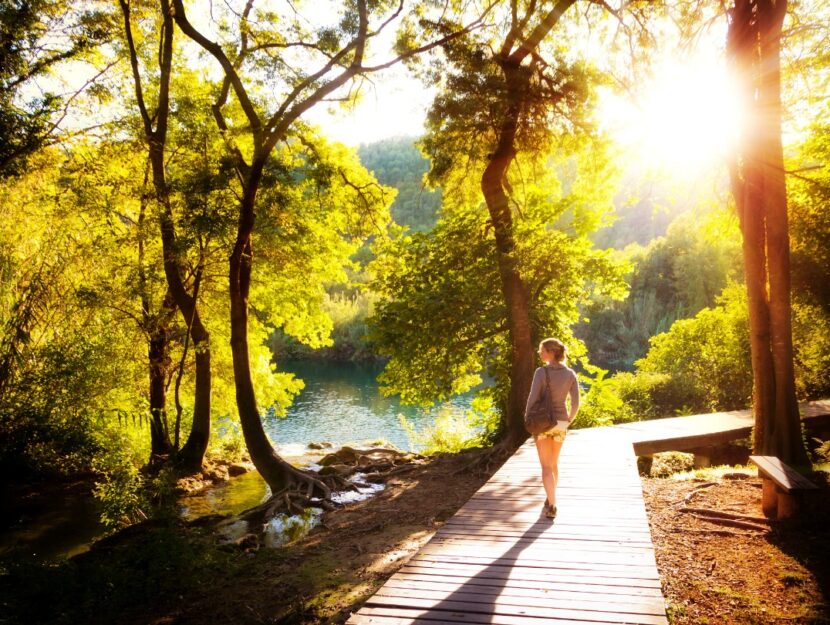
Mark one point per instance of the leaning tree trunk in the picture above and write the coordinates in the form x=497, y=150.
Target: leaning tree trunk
x=514, y=290
x=277, y=473
x=158, y=359
x=759, y=188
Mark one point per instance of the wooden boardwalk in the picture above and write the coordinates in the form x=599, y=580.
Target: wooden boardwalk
x=499, y=560
x=699, y=431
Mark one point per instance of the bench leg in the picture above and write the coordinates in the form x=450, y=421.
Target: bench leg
x=787, y=505
x=769, y=498
x=703, y=457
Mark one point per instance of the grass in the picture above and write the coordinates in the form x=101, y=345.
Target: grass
x=714, y=473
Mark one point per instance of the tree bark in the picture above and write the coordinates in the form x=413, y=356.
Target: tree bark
x=759, y=188
x=514, y=290
x=277, y=473
x=191, y=455
x=158, y=360
x=514, y=51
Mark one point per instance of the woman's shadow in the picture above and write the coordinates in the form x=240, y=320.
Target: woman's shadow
x=461, y=577
x=477, y=598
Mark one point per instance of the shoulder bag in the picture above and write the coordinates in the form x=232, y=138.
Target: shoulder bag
x=539, y=417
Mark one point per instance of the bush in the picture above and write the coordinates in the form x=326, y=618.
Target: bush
x=602, y=405
x=671, y=462
x=453, y=432
x=700, y=365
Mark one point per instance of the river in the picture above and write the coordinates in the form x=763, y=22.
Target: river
x=341, y=403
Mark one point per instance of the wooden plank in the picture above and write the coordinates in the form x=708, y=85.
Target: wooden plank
x=685, y=433
x=782, y=474
x=498, y=560
x=653, y=605
x=571, y=587
x=502, y=607
x=536, y=575
x=528, y=599
x=402, y=616
x=581, y=569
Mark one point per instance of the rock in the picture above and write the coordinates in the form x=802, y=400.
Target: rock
x=239, y=468
x=248, y=542
x=343, y=470
x=218, y=474
x=345, y=455
x=323, y=445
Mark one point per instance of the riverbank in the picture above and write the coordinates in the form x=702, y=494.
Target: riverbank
x=172, y=572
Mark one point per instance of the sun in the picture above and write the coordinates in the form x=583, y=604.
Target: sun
x=682, y=121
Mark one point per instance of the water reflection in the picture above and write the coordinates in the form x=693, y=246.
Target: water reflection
x=231, y=497
x=342, y=403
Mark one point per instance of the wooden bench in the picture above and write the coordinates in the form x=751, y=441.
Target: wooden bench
x=783, y=487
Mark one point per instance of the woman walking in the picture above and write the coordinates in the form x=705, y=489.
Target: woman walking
x=562, y=382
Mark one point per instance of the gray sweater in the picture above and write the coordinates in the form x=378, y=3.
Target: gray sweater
x=562, y=383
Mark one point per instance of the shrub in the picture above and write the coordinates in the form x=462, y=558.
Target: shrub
x=452, y=432
x=671, y=462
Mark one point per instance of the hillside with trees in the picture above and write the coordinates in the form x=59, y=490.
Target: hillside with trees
x=398, y=163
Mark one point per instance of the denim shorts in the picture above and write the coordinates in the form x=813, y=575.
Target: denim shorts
x=556, y=433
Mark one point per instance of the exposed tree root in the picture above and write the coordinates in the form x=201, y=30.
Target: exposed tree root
x=726, y=515
x=731, y=522
x=488, y=460
x=713, y=532
x=691, y=494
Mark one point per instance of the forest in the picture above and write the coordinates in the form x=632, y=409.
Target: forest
x=179, y=230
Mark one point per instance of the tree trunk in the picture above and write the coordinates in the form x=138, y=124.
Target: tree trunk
x=277, y=473
x=191, y=455
x=759, y=188
x=513, y=288
x=784, y=437
x=158, y=360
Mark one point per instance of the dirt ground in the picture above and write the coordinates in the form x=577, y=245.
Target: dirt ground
x=329, y=574
x=711, y=573
x=724, y=575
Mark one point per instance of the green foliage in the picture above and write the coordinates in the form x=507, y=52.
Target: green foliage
x=441, y=318
x=348, y=313
x=706, y=360
x=36, y=37
x=671, y=462
x=673, y=278
x=809, y=198
x=397, y=163
x=603, y=404
x=451, y=433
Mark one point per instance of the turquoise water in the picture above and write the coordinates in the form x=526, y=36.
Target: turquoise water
x=342, y=403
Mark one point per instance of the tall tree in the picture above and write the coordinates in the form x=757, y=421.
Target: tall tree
x=36, y=36
x=185, y=296
x=759, y=187
x=279, y=44
x=515, y=94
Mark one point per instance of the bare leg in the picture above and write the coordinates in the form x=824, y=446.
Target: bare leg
x=549, y=459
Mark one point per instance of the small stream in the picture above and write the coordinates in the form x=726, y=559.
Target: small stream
x=340, y=404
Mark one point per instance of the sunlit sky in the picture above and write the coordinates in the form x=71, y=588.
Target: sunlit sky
x=680, y=121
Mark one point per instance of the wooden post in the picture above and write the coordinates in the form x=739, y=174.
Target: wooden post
x=787, y=505
x=769, y=498
x=703, y=457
